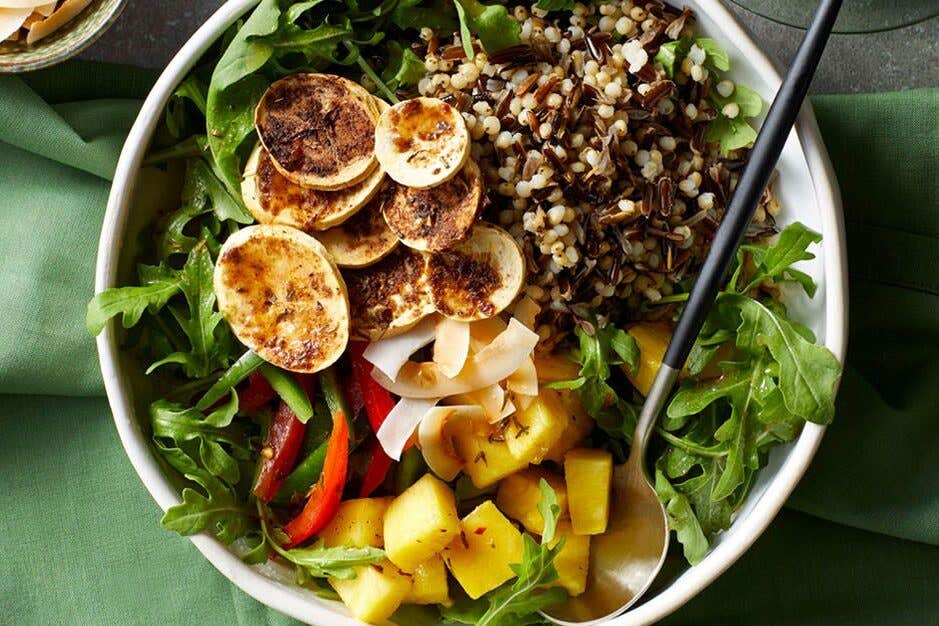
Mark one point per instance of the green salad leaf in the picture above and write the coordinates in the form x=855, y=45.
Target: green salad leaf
x=671, y=54
x=716, y=58
x=600, y=348
x=416, y=14
x=404, y=67
x=493, y=25
x=131, y=302
x=555, y=5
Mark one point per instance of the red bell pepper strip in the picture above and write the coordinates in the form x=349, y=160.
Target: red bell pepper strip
x=256, y=393
x=326, y=495
x=378, y=404
x=378, y=400
x=281, y=446
x=377, y=470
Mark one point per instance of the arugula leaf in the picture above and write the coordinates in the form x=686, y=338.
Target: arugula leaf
x=605, y=347
x=808, y=373
x=518, y=601
x=336, y=562
x=492, y=24
x=131, y=302
x=404, y=67
x=248, y=51
x=716, y=57
x=289, y=391
x=555, y=5
x=230, y=121
x=318, y=561
x=672, y=53
x=682, y=519
x=417, y=14
x=192, y=90
x=202, y=193
x=181, y=424
x=199, y=320
x=776, y=261
x=731, y=134
x=217, y=508
x=734, y=133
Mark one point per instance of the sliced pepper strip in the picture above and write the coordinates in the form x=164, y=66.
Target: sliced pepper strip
x=378, y=404
x=281, y=446
x=378, y=401
x=256, y=393
x=377, y=470
x=326, y=495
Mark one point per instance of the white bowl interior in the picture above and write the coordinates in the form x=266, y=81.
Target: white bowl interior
x=807, y=194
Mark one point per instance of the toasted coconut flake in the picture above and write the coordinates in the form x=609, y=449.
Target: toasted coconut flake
x=435, y=442
x=58, y=18
x=388, y=355
x=489, y=366
x=451, y=345
x=400, y=424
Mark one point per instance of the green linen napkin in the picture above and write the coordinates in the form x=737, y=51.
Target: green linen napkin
x=79, y=532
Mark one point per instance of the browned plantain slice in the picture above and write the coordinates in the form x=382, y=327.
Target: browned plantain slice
x=478, y=278
x=283, y=297
x=387, y=298
x=435, y=218
x=319, y=129
x=361, y=240
x=422, y=142
x=273, y=199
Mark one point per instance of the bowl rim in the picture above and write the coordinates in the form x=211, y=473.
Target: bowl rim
x=80, y=45
x=281, y=597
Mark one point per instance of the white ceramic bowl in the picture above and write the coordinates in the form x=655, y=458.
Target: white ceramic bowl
x=808, y=193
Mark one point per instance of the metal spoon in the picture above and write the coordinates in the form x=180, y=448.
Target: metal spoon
x=625, y=560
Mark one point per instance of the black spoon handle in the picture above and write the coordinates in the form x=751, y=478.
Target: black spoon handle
x=760, y=163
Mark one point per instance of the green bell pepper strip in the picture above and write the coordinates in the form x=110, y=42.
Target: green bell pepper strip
x=246, y=363
x=289, y=390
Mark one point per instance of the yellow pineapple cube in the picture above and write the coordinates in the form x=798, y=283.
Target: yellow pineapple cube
x=375, y=593
x=652, y=339
x=573, y=559
x=588, y=473
x=429, y=584
x=486, y=454
x=520, y=494
x=420, y=523
x=480, y=556
x=357, y=524
x=553, y=368
x=576, y=427
x=533, y=430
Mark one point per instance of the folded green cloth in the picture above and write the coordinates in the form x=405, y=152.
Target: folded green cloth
x=79, y=533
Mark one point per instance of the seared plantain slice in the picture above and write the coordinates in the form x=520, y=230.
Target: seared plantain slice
x=283, y=297
x=478, y=278
x=361, y=240
x=435, y=218
x=422, y=142
x=319, y=129
x=390, y=296
x=273, y=199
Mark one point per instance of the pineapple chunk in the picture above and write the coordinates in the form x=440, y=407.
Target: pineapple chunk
x=577, y=426
x=375, y=593
x=519, y=496
x=487, y=457
x=555, y=367
x=588, y=473
x=480, y=557
x=536, y=428
x=652, y=339
x=420, y=523
x=357, y=524
x=573, y=560
x=429, y=584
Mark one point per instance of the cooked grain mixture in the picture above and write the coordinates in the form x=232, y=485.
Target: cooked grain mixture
x=596, y=161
